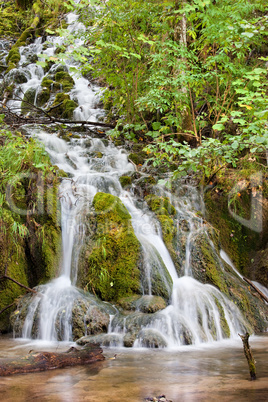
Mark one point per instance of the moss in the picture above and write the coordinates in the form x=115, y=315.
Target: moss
x=66, y=81
x=65, y=106
x=165, y=213
x=15, y=261
x=13, y=20
x=46, y=82
x=28, y=100
x=160, y=205
x=42, y=97
x=13, y=56
x=239, y=241
x=125, y=181
x=69, y=107
x=29, y=244
x=138, y=159
x=224, y=325
x=113, y=254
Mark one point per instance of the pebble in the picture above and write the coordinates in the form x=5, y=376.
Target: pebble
x=160, y=398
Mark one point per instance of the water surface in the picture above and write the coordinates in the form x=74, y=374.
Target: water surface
x=208, y=373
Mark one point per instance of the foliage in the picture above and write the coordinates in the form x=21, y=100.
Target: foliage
x=13, y=20
x=189, y=76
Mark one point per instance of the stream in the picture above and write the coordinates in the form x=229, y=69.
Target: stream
x=212, y=372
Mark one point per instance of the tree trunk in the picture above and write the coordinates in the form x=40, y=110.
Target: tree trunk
x=41, y=361
x=249, y=356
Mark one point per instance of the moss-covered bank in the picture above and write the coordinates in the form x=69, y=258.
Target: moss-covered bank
x=237, y=206
x=30, y=236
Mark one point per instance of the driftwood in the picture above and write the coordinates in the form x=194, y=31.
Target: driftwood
x=249, y=356
x=41, y=361
x=255, y=288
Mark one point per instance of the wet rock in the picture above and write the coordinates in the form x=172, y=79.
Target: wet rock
x=151, y=304
x=125, y=181
x=28, y=101
x=102, y=339
x=155, y=278
x=65, y=80
x=18, y=76
x=87, y=319
x=129, y=302
x=150, y=338
x=110, y=256
x=63, y=106
x=129, y=340
x=42, y=97
x=145, y=304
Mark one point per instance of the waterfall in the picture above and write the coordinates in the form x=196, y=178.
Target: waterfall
x=196, y=312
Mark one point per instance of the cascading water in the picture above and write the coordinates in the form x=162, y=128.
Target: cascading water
x=196, y=312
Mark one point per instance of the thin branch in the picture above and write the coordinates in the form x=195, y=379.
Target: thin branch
x=6, y=308
x=19, y=284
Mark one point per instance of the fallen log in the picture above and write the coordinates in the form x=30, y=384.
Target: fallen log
x=41, y=361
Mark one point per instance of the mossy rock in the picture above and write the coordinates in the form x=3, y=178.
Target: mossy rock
x=17, y=76
x=260, y=267
x=88, y=319
x=42, y=97
x=160, y=205
x=151, y=304
x=50, y=84
x=16, y=263
x=205, y=262
x=146, y=304
x=13, y=56
x=125, y=181
x=166, y=214
x=239, y=241
x=65, y=106
x=112, y=255
x=28, y=100
x=65, y=80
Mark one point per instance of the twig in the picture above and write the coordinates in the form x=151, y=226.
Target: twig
x=18, y=283
x=4, y=309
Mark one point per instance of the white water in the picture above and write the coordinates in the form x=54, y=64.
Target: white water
x=84, y=93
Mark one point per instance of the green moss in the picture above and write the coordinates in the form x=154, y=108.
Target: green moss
x=239, y=241
x=165, y=213
x=65, y=106
x=28, y=101
x=43, y=97
x=160, y=205
x=125, y=181
x=113, y=254
x=64, y=78
x=224, y=325
x=46, y=82
x=29, y=244
x=14, y=260
x=138, y=159
x=13, y=19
